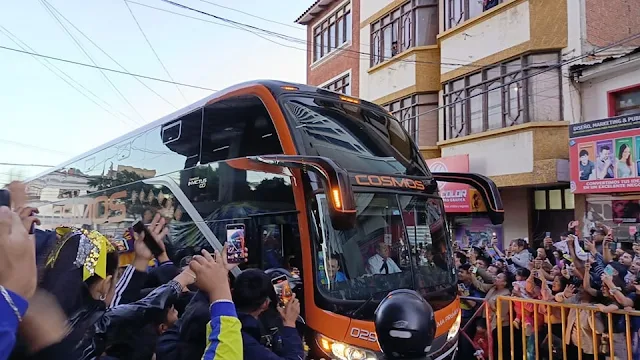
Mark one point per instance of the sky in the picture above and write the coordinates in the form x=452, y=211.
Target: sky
x=45, y=121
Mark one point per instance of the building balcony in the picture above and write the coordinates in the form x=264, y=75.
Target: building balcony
x=534, y=153
x=475, y=36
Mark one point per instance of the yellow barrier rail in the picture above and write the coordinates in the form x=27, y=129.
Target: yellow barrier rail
x=543, y=318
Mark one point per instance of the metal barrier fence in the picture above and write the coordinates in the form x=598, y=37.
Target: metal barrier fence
x=592, y=334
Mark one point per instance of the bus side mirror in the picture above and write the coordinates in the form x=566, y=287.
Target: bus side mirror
x=342, y=208
x=485, y=186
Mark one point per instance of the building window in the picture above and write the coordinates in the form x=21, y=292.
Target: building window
x=341, y=85
x=332, y=32
x=414, y=110
x=501, y=95
x=459, y=11
x=414, y=23
x=625, y=101
x=553, y=199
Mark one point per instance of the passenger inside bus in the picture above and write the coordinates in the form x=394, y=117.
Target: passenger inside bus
x=333, y=273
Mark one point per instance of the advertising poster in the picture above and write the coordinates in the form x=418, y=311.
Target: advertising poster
x=456, y=197
x=476, y=231
x=605, y=155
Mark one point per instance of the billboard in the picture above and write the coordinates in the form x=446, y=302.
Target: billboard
x=605, y=155
x=457, y=197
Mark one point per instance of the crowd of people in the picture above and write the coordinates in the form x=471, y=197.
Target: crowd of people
x=76, y=303
x=592, y=270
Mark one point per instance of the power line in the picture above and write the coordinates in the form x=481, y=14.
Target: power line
x=215, y=23
x=48, y=65
x=252, y=15
x=109, y=56
x=305, y=42
x=26, y=165
x=105, y=69
x=3, y=141
x=79, y=45
x=152, y=49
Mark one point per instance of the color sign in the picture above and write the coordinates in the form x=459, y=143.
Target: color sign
x=457, y=197
x=605, y=155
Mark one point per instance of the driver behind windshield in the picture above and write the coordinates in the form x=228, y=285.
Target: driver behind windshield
x=381, y=263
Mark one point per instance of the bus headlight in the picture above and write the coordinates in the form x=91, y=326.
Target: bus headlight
x=342, y=351
x=455, y=327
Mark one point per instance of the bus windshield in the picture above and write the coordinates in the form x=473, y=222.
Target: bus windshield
x=398, y=241
x=358, y=138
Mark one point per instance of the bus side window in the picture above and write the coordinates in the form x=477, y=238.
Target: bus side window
x=237, y=127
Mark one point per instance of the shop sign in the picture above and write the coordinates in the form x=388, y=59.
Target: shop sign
x=605, y=155
x=457, y=197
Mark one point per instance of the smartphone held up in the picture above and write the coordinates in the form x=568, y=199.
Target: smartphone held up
x=148, y=240
x=235, y=243
x=283, y=289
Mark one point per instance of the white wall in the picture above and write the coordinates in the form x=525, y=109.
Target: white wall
x=496, y=34
x=370, y=7
x=509, y=154
x=516, y=213
x=365, y=39
x=398, y=76
x=594, y=92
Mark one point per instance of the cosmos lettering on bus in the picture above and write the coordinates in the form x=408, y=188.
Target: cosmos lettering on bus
x=98, y=210
x=388, y=181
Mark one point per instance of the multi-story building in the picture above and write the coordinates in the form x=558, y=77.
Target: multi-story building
x=333, y=59
x=491, y=80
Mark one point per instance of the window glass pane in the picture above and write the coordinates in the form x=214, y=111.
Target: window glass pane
x=569, y=200
x=540, y=198
x=455, y=12
x=426, y=25
x=555, y=199
x=475, y=8
x=493, y=73
x=236, y=128
x=494, y=105
x=458, y=84
x=348, y=25
x=544, y=96
x=375, y=45
x=325, y=42
x=318, y=47
x=387, y=42
x=347, y=89
x=341, y=38
x=475, y=109
x=332, y=37
x=475, y=79
x=512, y=66
x=542, y=59
x=513, y=94
x=628, y=102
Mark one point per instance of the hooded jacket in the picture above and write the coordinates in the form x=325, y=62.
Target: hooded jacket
x=95, y=327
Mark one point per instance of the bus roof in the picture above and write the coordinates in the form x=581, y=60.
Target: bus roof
x=276, y=87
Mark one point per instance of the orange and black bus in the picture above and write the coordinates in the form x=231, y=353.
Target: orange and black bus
x=331, y=191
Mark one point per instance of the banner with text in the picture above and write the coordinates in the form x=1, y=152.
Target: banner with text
x=605, y=155
x=457, y=197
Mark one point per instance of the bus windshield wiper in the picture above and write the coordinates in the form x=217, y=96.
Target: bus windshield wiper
x=358, y=312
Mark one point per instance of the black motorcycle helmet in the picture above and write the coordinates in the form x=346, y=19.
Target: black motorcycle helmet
x=405, y=325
